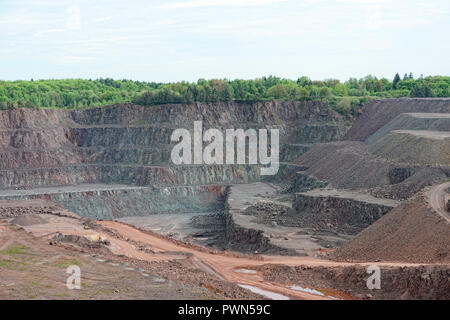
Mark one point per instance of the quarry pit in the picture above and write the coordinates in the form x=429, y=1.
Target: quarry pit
x=343, y=198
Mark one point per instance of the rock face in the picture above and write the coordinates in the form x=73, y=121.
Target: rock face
x=127, y=148
x=131, y=144
x=302, y=182
x=340, y=211
x=260, y=218
x=242, y=235
x=117, y=201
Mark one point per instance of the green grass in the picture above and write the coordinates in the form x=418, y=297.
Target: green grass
x=38, y=284
x=6, y=263
x=15, y=250
x=67, y=263
x=13, y=265
x=444, y=181
x=99, y=292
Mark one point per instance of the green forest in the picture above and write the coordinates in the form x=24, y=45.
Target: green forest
x=345, y=97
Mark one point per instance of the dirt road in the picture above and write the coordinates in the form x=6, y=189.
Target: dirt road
x=232, y=267
x=150, y=251
x=32, y=269
x=437, y=196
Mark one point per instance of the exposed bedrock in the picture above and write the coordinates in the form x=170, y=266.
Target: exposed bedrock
x=242, y=237
x=141, y=136
x=286, y=172
x=27, y=137
x=131, y=144
x=317, y=133
x=338, y=210
x=216, y=114
x=400, y=174
x=117, y=201
x=129, y=174
x=290, y=151
x=302, y=182
x=260, y=218
x=32, y=118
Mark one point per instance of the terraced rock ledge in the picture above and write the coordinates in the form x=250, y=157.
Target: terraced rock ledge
x=340, y=210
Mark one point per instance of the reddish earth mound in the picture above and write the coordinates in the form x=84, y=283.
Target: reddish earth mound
x=412, y=232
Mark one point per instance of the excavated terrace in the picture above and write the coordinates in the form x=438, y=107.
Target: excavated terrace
x=114, y=162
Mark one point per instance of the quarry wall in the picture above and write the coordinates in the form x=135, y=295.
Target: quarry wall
x=131, y=144
x=340, y=211
x=109, y=201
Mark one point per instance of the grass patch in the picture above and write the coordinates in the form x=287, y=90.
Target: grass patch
x=99, y=292
x=38, y=284
x=15, y=250
x=444, y=181
x=67, y=263
x=12, y=265
x=137, y=122
x=6, y=263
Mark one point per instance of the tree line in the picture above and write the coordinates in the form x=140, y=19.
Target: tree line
x=345, y=97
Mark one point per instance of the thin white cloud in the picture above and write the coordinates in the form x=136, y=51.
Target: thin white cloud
x=374, y=20
x=217, y=3
x=102, y=19
x=21, y=19
x=363, y=1
x=74, y=59
x=49, y=31
x=73, y=21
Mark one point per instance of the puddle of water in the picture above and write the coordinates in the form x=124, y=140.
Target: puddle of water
x=308, y=290
x=247, y=271
x=265, y=293
x=158, y=279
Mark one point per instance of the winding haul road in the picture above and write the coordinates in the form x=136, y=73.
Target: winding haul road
x=437, y=196
x=224, y=265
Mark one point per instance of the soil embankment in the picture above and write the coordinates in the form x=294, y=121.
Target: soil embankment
x=412, y=232
x=378, y=113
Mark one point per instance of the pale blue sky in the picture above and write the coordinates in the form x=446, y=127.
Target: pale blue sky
x=176, y=40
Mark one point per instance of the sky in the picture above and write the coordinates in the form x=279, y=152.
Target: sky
x=175, y=40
